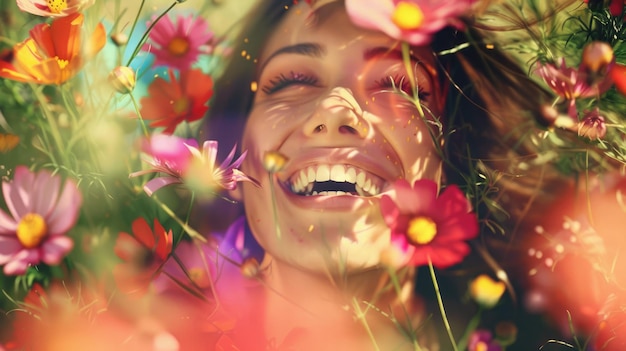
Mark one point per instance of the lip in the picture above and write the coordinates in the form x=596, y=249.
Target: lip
x=347, y=156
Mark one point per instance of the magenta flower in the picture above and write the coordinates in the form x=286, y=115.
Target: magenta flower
x=40, y=213
x=178, y=45
x=167, y=154
x=482, y=340
x=571, y=83
x=204, y=174
x=425, y=227
x=413, y=21
x=53, y=8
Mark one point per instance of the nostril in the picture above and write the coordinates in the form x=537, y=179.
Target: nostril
x=347, y=130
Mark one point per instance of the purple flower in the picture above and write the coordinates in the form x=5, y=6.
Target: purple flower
x=571, y=83
x=482, y=340
x=167, y=154
x=413, y=21
x=41, y=212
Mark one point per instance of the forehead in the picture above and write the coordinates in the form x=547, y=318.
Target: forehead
x=330, y=27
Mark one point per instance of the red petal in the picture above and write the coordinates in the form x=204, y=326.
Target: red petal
x=143, y=233
x=618, y=74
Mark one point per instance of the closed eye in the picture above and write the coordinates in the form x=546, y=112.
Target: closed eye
x=283, y=81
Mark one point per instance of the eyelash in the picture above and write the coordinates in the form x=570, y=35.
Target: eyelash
x=282, y=81
x=401, y=82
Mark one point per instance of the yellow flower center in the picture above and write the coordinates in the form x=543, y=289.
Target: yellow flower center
x=181, y=106
x=407, y=16
x=481, y=346
x=200, y=277
x=56, y=6
x=422, y=230
x=31, y=230
x=178, y=46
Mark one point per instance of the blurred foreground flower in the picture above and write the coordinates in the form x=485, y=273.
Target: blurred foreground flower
x=618, y=74
x=425, y=227
x=592, y=126
x=204, y=174
x=182, y=99
x=166, y=154
x=178, y=45
x=413, y=21
x=54, y=53
x=40, y=213
x=482, y=340
x=53, y=8
x=143, y=254
x=486, y=291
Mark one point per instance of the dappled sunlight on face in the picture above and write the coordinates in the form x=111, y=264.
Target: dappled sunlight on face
x=338, y=104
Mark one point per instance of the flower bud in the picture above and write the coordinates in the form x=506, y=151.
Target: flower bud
x=119, y=38
x=122, y=79
x=597, y=57
x=274, y=161
x=592, y=126
x=486, y=291
x=250, y=268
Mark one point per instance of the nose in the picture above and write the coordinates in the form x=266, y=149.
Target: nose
x=337, y=114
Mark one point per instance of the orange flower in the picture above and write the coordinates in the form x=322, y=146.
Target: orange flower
x=53, y=53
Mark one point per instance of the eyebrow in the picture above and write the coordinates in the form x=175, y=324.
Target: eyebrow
x=307, y=49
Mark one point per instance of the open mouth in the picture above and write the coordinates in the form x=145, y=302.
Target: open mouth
x=334, y=180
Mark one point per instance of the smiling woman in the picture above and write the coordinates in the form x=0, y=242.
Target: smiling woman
x=359, y=116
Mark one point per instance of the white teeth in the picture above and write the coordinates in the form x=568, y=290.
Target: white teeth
x=303, y=182
x=338, y=173
x=323, y=173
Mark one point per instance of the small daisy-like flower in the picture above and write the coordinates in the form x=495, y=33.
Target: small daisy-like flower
x=143, y=253
x=54, y=53
x=204, y=174
x=571, y=83
x=182, y=99
x=426, y=227
x=53, y=8
x=178, y=45
x=41, y=212
x=413, y=21
x=167, y=154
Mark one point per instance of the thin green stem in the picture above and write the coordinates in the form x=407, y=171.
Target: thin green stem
x=192, y=232
x=145, y=34
x=440, y=303
x=406, y=57
x=471, y=326
x=141, y=121
x=274, y=209
x=361, y=317
x=132, y=29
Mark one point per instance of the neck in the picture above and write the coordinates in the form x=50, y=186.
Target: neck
x=332, y=309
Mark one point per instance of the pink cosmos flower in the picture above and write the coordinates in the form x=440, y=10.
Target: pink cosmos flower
x=413, y=21
x=178, y=45
x=167, y=154
x=426, y=227
x=53, y=8
x=482, y=340
x=204, y=174
x=40, y=213
x=571, y=83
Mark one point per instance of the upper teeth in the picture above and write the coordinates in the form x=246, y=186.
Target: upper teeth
x=365, y=183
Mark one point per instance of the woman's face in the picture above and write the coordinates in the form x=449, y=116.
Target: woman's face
x=325, y=100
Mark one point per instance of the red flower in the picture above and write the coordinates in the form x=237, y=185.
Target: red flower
x=171, y=102
x=143, y=254
x=618, y=74
x=426, y=227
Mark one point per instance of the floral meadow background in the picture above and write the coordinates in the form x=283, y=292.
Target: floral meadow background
x=105, y=239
